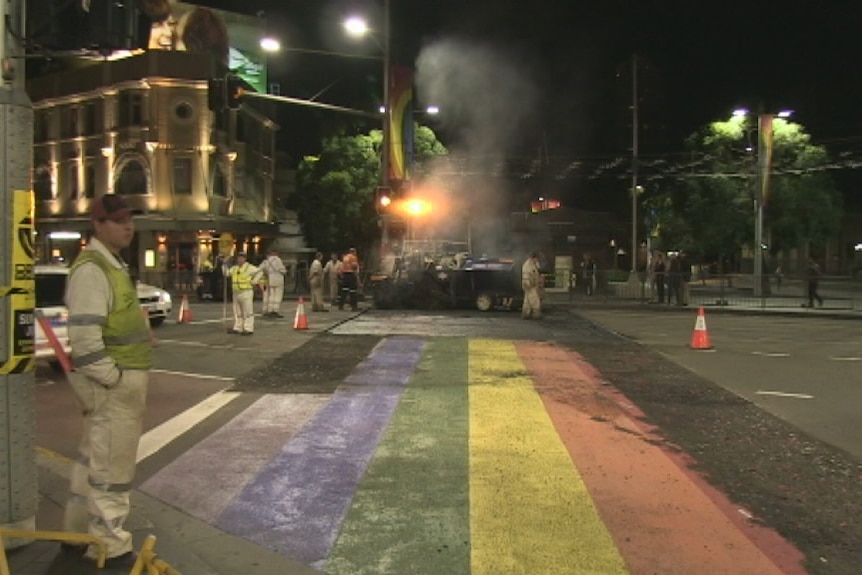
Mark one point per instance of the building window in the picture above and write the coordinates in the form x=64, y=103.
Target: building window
x=70, y=125
x=183, y=176
x=184, y=112
x=73, y=174
x=90, y=119
x=219, y=184
x=89, y=180
x=131, y=109
x=42, y=185
x=132, y=179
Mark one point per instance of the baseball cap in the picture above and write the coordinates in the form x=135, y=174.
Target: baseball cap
x=110, y=207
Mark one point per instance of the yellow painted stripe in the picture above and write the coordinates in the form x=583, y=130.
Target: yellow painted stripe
x=530, y=511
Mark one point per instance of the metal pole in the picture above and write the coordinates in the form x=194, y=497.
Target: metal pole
x=758, y=208
x=634, y=163
x=18, y=480
x=387, y=124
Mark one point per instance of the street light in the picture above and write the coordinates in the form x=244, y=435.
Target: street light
x=764, y=161
x=357, y=26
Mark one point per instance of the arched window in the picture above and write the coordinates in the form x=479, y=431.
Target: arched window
x=132, y=179
x=42, y=187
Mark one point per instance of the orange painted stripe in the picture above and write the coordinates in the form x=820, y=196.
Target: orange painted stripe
x=663, y=518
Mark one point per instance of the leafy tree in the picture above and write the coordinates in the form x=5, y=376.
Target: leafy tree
x=708, y=209
x=335, y=191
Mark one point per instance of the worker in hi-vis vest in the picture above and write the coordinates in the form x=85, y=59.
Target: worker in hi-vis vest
x=243, y=277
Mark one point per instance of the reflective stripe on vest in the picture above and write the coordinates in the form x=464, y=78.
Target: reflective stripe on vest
x=125, y=331
x=240, y=278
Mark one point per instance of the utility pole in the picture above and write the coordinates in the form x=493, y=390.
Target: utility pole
x=18, y=481
x=387, y=122
x=634, y=190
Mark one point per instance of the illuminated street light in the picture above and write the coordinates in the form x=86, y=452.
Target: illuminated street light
x=270, y=44
x=358, y=27
x=764, y=128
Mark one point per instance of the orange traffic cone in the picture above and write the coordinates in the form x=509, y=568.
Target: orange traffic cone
x=300, y=321
x=185, y=313
x=700, y=337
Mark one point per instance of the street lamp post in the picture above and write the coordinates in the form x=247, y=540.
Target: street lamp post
x=764, y=131
x=387, y=124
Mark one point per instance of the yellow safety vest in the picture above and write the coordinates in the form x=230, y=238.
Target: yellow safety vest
x=125, y=333
x=240, y=278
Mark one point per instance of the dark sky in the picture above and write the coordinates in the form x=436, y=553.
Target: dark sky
x=700, y=59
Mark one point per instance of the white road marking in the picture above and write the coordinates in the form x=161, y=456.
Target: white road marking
x=783, y=394
x=156, y=438
x=848, y=358
x=196, y=344
x=194, y=375
x=770, y=354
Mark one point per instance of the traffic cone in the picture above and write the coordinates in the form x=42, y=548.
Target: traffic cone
x=300, y=321
x=185, y=313
x=700, y=336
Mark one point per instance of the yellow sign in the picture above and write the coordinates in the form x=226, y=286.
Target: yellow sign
x=21, y=291
x=225, y=244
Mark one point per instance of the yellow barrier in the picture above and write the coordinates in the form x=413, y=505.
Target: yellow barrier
x=147, y=559
x=64, y=536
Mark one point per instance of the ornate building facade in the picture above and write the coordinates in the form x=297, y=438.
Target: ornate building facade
x=200, y=176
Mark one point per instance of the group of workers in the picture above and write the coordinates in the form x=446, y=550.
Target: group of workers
x=342, y=275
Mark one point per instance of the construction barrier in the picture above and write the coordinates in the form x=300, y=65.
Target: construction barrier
x=185, y=312
x=147, y=559
x=62, y=536
x=700, y=336
x=300, y=321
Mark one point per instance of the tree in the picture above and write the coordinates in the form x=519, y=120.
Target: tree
x=708, y=208
x=335, y=191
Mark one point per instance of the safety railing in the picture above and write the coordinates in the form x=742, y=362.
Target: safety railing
x=149, y=563
x=704, y=289
x=62, y=536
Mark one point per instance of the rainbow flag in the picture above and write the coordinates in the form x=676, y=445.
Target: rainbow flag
x=445, y=456
x=400, y=123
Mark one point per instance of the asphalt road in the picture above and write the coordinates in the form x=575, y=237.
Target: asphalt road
x=805, y=370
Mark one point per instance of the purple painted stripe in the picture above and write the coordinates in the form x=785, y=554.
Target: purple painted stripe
x=296, y=504
x=206, y=478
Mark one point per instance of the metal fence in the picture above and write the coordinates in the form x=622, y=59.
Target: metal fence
x=704, y=289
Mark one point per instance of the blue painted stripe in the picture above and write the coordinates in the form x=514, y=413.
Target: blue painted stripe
x=207, y=477
x=296, y=504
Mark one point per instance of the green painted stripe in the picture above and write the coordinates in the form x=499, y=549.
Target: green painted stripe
x=410, y=513
x=530, y=511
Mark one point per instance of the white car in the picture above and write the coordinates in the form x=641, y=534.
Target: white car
x=50, y=291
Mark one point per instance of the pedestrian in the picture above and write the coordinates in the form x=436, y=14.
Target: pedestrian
x=685, y=270
x=779, y=275
x=274, y=271
x=588, y=270
x=814, y=275
x=658, y=274
x=315, y=283
x=349, y=280
x=674, y=279
x=112, y=353
x=243, y=278
x=331, y=272
x=530, y=282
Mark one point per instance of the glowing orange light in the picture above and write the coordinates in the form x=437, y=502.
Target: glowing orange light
x=417, y=207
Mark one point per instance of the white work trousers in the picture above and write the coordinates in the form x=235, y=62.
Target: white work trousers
x=101, y=478
x=243, y=310
x=532, y=303
x=317, y=295
x=272, y=298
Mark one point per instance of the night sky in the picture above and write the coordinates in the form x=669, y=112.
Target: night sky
x=549, y=82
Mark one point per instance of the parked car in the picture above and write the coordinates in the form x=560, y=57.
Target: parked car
x=50, y=293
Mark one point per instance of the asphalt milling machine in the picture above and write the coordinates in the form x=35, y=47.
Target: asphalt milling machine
x=439, y=274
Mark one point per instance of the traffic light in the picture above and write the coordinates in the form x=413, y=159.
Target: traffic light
x=383, y=199
x=235, y=91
